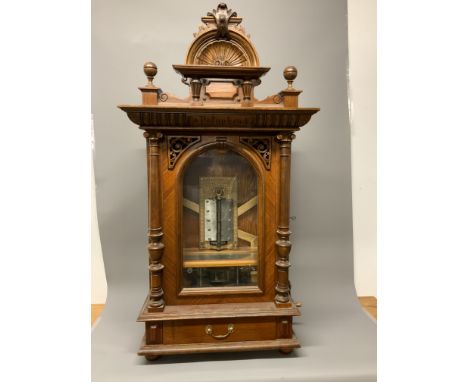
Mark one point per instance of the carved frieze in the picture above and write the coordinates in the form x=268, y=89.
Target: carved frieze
x=211, y=118
x=176, y=146
x=261, y=145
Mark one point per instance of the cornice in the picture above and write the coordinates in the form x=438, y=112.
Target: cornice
x=189, y=117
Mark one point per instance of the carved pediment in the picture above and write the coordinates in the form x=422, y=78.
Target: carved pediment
x=221, y=68
x=222, y=41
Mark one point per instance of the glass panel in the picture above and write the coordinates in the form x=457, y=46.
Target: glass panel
x=219, y=226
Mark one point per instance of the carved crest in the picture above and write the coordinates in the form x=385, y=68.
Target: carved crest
x=222, y=15
x=222, y=41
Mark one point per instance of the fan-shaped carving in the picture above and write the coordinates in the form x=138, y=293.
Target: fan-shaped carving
x=206, y=49
x=221, y=53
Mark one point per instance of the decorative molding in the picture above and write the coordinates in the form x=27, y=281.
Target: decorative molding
x=221, y=142
x=153, y=139
x=262, y=146
x=176, y=146
x=187, y=117
x=285, y=137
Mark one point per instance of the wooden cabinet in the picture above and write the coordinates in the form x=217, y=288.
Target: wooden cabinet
x=218, y=165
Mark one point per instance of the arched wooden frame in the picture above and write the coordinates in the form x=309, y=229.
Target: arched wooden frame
x=204, y=41
x=259, y=169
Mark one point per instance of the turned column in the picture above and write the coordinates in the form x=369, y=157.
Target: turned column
x=283, y=245
x=155, y=232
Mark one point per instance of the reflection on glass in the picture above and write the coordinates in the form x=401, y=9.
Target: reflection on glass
x=220, y=221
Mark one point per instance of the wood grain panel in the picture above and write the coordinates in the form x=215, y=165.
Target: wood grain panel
x=245, y=329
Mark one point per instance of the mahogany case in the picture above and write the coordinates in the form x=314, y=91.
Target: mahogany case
x=218, y=165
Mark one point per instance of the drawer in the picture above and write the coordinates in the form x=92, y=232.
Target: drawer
x=219, y=330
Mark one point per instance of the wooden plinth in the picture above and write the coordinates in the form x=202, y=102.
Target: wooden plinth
x=182, y=329
x=284, y=345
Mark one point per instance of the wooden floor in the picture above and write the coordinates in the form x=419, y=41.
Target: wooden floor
x=96, y=310
x=369, y=303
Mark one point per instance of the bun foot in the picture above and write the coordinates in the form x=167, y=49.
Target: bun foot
x=152, y=357
x=285, y=350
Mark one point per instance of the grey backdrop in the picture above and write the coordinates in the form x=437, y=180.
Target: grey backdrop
x=338, y=338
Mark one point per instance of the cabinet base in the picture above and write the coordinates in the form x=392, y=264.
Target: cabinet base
x=152, y=352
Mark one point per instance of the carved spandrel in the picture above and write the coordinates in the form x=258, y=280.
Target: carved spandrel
x=262, y=146
x=176, y=146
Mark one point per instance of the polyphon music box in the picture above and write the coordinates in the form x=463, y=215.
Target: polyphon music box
x=218, y=165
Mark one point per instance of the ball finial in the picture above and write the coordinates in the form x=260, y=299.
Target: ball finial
x=290, y=74
x=150, y=70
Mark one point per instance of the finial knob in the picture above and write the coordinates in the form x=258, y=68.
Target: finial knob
x=150, y=70
x=290, y=74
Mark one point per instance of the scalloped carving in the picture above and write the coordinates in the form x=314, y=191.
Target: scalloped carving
x=221, y=53
x=207, y=49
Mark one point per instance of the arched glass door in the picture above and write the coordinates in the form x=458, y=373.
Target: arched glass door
x=220, y=221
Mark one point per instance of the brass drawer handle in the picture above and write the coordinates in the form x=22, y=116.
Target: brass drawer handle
x=209, y=331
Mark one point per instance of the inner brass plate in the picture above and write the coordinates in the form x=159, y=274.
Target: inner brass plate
x=224, y=188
